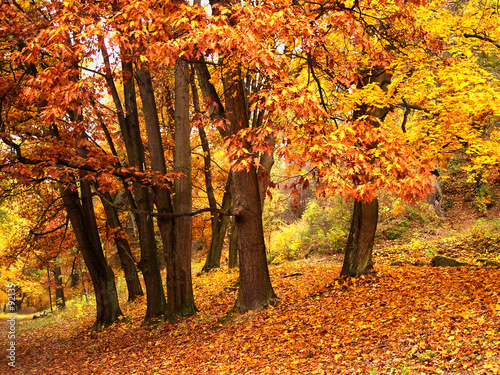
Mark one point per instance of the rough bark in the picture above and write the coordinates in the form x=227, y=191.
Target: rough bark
x=233, y=246
x=181, y=300
x=255, y=290
x=82, y=217
x=175, y=234
x=128, y=120
x=358, y=254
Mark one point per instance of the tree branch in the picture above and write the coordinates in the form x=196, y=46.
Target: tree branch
x=49, y=231
x=483, y=37
x=164, y=214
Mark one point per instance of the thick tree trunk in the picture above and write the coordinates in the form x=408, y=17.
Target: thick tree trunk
x=255, y=290
x=82, y=218
x=128, y=119
x=60, y=300
x=181, y=299
x=358, y=253
x=124, y=252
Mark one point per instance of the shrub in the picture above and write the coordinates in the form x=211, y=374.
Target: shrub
x=397, y=231
x=484, y=199
x=322, y=229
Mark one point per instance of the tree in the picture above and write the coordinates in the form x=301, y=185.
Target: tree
x=81, y=215
x=182, y=301
x=358, y=252
x=255, y=290
x=60, y=300
x=31, y=100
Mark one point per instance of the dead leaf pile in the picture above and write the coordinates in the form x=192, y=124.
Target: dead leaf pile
x=401, y=320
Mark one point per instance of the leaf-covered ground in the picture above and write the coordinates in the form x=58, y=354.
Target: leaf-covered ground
x=402, y=320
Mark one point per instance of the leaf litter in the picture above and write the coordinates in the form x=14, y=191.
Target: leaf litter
x=399, y=320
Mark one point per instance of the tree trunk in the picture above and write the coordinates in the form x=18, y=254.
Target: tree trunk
x=436, y=196
x=149, y=265
x=181, y=299
x=20, y=296
x=128, y=119
x=358, y=253
x=60, y=300
x=233, y=246
x=255, y=290
x=222, y=223
x=124, y=252
x=264, y=172
x=82, y=218
x=219, y=222
x=50, y=290
x=359, y=248
x=219, y=229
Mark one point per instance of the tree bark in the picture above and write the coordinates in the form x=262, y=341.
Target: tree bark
x=219, y=222
x=219, y=229
x=233, y=246
x=181, y=299
x=130, y=129
x=255, y=290
x=82, y=217
x=358, y=253
x=264, y=172
x=124, y=252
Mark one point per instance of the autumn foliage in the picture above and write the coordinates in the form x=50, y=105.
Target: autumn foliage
x=136, y=134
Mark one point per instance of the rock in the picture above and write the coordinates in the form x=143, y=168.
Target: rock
x=440, y=261
x=488, y=263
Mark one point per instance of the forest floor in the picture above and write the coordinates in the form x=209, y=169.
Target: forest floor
x=403, y=319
